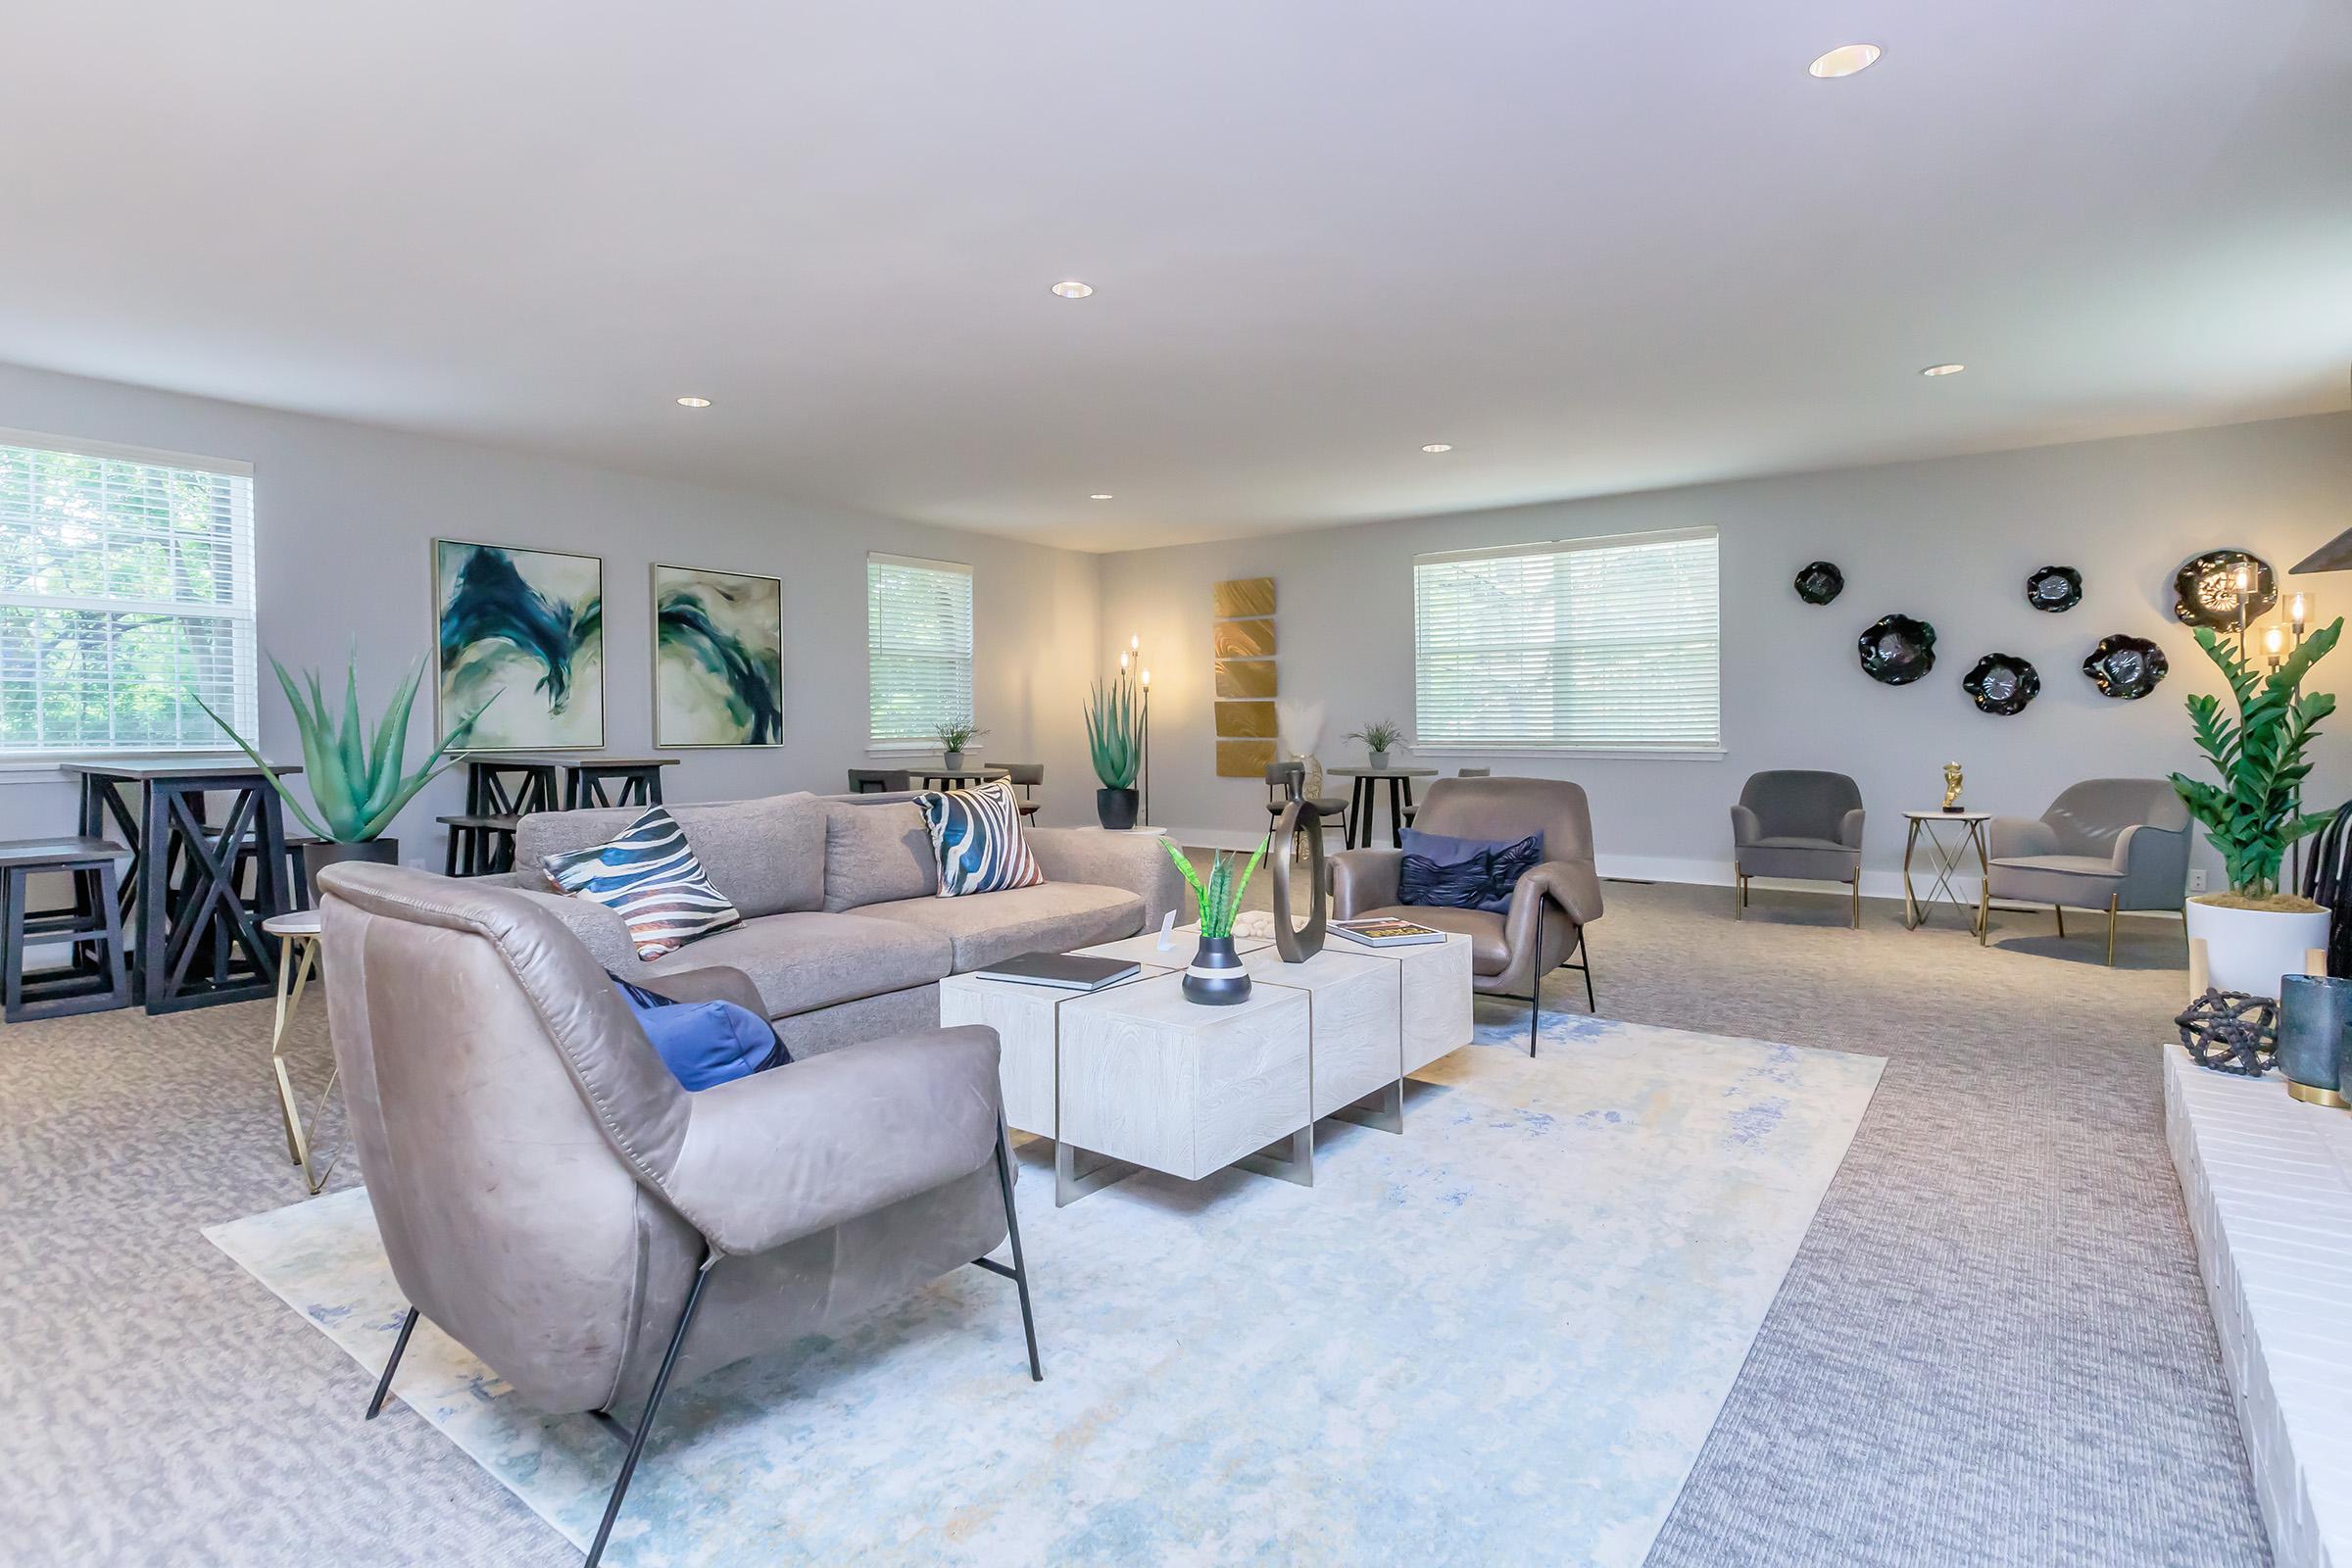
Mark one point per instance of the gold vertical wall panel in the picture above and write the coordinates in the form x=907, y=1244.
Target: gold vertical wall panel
x=1243, y=639
x=1245, y=595
x=1246, y=720
x=1244, y=758
x=1247, y=678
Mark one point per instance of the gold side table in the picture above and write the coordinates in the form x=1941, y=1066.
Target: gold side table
x=1945, y=855
x=296, y=934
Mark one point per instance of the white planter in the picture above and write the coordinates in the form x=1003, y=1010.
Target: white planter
x=2250, y=950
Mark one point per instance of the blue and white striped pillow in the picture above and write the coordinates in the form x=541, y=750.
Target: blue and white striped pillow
x=651, y=879
x=977, y=837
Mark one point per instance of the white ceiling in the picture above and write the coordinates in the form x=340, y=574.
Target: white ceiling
x=1596, y=246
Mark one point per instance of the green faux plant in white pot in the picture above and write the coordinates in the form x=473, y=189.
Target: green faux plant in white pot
x=2257, y=931
x=1377, y=737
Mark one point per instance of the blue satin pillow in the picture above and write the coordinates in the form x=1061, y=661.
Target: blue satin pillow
x=704, y=1044
x=1464, y=873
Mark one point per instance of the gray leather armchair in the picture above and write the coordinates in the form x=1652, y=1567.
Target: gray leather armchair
x=1799, y=824
x=2106, y=843
x=552, y=1197
x=1510, y=953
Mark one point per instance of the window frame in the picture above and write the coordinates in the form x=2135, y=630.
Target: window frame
x=904, y=746
x=1713, y=751
x=20, y=763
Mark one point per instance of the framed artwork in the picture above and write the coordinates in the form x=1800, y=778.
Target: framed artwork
x=520, y=637
x=718, y=657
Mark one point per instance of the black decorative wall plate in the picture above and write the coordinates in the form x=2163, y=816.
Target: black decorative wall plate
x=2001, y=683
x=1897, y=649
x=2205, y=589
x=2054, y=588
x=1820, y=582
x=2125, y=666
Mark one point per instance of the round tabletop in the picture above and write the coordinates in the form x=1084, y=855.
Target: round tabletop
x=293, y=923
x=1933, y=815
x=1383, y=772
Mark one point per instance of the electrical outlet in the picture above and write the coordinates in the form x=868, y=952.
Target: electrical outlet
x=2196, y=881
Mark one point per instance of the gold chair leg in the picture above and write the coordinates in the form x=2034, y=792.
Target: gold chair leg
x=2111, y=897
x=2059, y=909
x=1857, y=901
x=1739, y=892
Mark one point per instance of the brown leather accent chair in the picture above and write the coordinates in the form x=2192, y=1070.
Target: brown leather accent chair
x=553, y=1200
x=1510, y=953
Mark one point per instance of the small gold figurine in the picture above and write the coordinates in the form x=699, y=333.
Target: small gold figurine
x=1951, y=786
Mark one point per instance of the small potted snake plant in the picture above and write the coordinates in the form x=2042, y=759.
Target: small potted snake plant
x=1377, y=737
x=1216, y=978
x=1115, y=738
x=357, y=780
x=954, y=735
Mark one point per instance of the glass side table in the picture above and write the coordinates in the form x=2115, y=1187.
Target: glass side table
x=296, y=934
x=1947, y=853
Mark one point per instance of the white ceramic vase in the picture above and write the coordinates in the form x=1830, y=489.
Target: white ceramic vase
x=2250, y=950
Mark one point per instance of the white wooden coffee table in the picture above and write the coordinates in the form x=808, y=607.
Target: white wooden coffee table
x=1137, y=1077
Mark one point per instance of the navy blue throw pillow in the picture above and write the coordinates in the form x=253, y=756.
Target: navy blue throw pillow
x=1464, y=873
x=704, y=1044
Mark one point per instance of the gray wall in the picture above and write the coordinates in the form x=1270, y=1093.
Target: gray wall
x=1950, y=540
x=343, y=513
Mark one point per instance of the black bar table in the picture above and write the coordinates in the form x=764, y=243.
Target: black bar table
x=198, y=940
x=508, y=786
x=639, y=778
x=944, y=777
x=1401, y=801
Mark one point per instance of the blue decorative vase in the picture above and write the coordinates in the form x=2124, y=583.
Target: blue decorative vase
x=2313, y=1012
x=1216, y=978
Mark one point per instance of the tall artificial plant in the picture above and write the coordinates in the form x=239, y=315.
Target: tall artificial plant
x=2254, y=813
x=356, y=780
x=1114, y=731
x=1221, y=894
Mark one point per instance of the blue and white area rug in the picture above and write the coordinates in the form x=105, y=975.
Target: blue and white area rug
x=1501, y=1337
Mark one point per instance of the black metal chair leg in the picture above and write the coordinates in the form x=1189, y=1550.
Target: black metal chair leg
x=652, y=1404
x=383, y=1385
x=1020, y=1270
x=1591, y=1002
x=1534, y=1015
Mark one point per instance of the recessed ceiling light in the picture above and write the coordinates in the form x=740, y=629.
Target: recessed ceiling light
x=1944, y=370
x=1844, y=61
x=1101, y=495
x=693, y=403
x=1439, y=446
x=1069, y=288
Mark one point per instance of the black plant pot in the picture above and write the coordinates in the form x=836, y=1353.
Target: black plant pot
x=2313, y=1014
x=317, y=858
x=1216, y=978
x=1116, y=807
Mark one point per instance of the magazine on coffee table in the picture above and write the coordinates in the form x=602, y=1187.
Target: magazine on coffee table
x=1065, y=971
x=1385, y=932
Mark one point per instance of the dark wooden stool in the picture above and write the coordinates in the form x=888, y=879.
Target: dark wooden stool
x=481, y=844
x=97, y=978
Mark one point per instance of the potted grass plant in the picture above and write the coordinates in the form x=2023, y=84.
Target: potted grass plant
x=2256, y=931
x=357, y=780
x=954, y=735
x=1115, y=738
x=1215, y=977
x=1377, y=737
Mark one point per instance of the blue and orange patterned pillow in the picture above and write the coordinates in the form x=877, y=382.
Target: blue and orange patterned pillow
x=977, y=836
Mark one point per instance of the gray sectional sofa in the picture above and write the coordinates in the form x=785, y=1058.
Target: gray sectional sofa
x=843, y=934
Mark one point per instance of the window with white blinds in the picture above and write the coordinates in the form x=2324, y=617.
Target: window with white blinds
x=1575, y=645
x=125, y=586
x=918, y=650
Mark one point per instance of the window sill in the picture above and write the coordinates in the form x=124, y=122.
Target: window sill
x=1714, y=754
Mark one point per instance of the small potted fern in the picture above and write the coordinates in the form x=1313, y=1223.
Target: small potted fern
x=2257, y=931
x=1216, y=978
x=954, y=735
x=1377, y=737
x=1115, y=738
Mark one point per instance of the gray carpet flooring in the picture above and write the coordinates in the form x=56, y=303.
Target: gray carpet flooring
x=1993, y=1348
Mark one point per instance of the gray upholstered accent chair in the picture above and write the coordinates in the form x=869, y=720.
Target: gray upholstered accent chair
x=552, y=1197
x=1551, y=905
x=2110, y=844
x=1287, y=782
x=1799, y=824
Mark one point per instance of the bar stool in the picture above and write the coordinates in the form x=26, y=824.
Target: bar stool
x=96, y=977
x=479, y=845
x=297, y=932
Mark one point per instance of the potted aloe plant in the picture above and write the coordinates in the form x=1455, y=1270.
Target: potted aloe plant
x=1216, y=977
x=2257, y=931
x=356, y=780
x=1377, y=736
x=1114, y=736
x=954, y=735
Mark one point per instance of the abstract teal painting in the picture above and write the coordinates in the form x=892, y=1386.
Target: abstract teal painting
x=527, y=627
x=718, y=657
